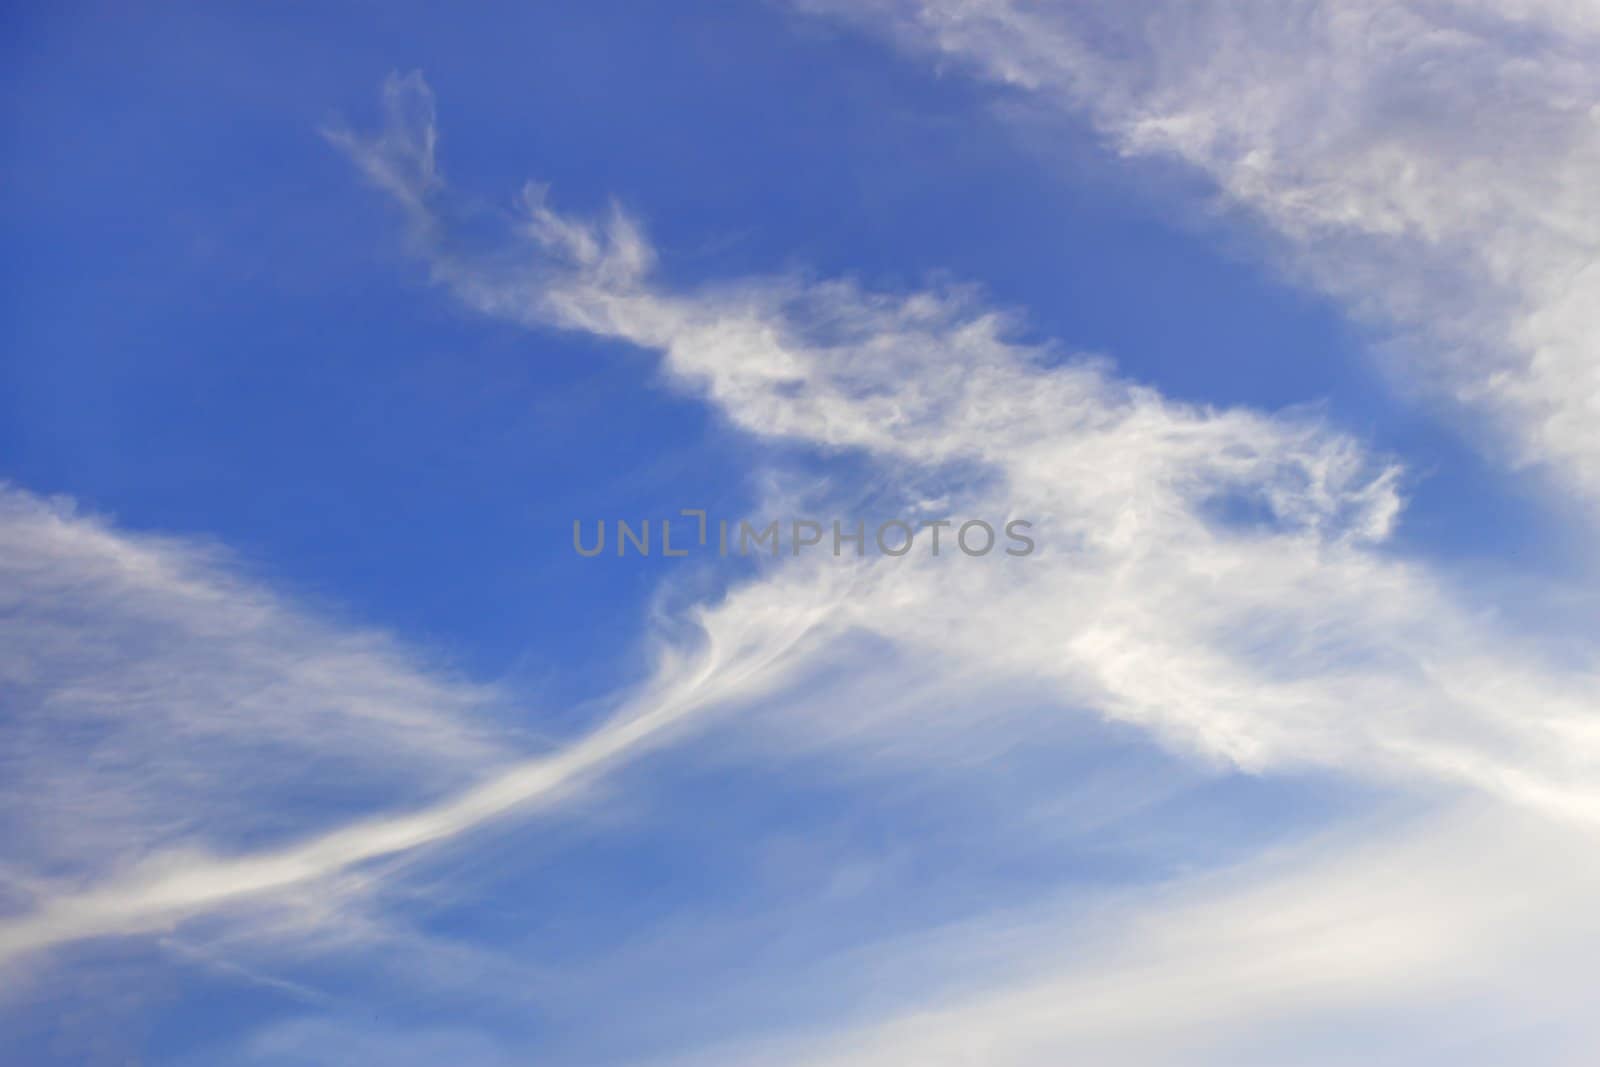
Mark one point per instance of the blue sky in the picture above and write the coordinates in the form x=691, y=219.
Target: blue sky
x=322, y=745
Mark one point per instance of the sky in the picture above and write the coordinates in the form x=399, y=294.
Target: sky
x=334, y=333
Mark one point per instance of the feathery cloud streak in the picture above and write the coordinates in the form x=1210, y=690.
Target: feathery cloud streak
x=1433, y=165
x=168, y=709
x=1216, y=577
x=1288, y=638
x=1471, y=924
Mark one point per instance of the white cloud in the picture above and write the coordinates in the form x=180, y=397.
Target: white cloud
x=1456, y=938
x=1216, y=577
x=1289, y=639
x=1432, y=164
x=167, y=714
x=154, y=692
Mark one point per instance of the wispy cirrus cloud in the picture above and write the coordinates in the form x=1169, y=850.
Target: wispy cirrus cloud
x=1469, y=924
x=184, y=740
x=1216, y=577
x=160, y=699
x=1430, y=164
x=1253, y=640
x=156, y=691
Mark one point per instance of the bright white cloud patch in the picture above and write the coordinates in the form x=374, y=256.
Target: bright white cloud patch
x=1433, y=164
x=1285, y=638
x=1460, y=938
